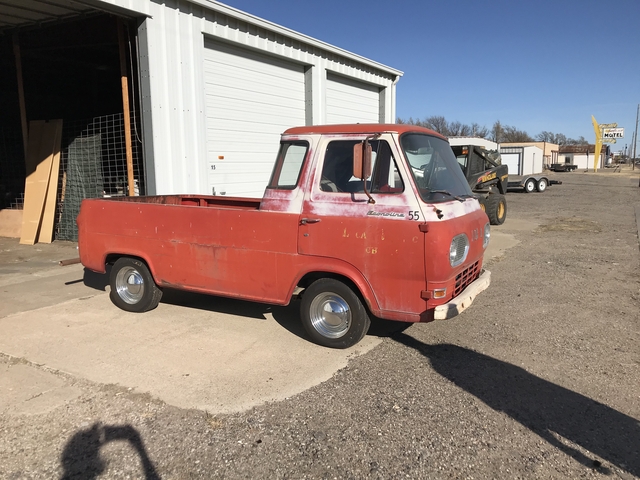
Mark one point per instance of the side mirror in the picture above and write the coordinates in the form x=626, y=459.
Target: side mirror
x=362, y=160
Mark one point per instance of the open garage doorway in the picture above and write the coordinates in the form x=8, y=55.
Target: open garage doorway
x=72, y=69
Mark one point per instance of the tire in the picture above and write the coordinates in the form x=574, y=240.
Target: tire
x=496, y=208
x=132, y=286
x=333, y=315
x=530, y=185
x=541, y=185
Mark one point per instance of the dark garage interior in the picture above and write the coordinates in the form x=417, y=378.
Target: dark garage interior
x=70, y=67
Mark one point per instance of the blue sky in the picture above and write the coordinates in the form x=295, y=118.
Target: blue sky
x=533, y=64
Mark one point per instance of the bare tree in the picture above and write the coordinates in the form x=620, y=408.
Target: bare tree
x=497, y=132
x=478, y=131
x=560, y=139
x=440, y=124
x=457, y=129
x=545, y=136
x=512, y=134
x=437, y=123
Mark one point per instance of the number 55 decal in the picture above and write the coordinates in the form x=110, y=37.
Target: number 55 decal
x=414, y=215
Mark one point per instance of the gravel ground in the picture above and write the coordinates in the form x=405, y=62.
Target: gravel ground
x=539, y=379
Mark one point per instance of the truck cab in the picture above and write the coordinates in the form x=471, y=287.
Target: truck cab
x=406, y=229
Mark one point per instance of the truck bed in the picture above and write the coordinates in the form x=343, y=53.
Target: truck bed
x=195, y=201
x=218, y=245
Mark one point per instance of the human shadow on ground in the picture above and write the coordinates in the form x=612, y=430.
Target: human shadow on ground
x=81, y=456
x=545, y=408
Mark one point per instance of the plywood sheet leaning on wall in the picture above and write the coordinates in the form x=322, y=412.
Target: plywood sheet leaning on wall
x=45, y=234
x=43, y=146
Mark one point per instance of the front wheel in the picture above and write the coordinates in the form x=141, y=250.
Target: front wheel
x=496, y=208
x=132, y=286
x=542, y=185
x=530, y=185
x=333, y=315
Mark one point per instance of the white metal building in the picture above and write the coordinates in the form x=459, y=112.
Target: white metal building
x=217, y=86
x=480, y=142
x=583, y=156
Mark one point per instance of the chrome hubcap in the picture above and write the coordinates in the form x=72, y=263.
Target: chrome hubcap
x=130, y=285
x=330, y=315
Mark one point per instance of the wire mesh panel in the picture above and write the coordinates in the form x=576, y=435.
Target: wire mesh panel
x=82, y=178
x=93, y=165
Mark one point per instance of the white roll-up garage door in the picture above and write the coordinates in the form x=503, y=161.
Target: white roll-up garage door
x=251, y=98
x=350, y=101
x=512, y=160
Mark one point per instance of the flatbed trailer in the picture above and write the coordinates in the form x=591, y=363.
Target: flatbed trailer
x=530, y=183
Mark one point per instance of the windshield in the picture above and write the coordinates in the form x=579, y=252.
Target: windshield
x=494, y=155
x=435, y=169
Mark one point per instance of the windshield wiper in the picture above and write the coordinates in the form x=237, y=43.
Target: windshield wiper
x=448, y=193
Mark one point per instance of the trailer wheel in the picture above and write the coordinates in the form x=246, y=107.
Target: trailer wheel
x=132, y=286
x=496, y=208
x=542, y=185
x=333, y=315
x=530, y=185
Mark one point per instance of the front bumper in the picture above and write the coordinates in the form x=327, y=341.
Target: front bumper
x=463, y=301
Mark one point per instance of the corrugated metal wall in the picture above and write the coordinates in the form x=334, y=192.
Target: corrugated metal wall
x=173, y=40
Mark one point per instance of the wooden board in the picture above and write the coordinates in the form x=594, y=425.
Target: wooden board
x=10, y=223
x=48, y=215
x=44, y=142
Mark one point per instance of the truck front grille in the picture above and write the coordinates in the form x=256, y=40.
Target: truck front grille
x=465, y=277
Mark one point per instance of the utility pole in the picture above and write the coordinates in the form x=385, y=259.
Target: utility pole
x=635, y=140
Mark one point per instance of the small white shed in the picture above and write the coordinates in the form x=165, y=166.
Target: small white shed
x=525, y=160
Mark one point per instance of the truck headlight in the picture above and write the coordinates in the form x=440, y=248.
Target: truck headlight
x=487, y=235
x=458, y=250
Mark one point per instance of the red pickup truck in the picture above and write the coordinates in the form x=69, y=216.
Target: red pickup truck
x=356, y=220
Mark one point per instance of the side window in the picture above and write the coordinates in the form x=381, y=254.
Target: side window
x=385, y=177
x=462, y=161
x=477, y=164
x=289, y=165
x=337, y=171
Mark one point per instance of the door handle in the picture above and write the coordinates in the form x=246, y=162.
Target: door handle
x=306, y=221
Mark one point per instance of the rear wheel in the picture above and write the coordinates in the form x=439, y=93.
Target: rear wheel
x=530, y=185
x=542, y=185
x=496, y=208
x=333, y=315
x=132, y=286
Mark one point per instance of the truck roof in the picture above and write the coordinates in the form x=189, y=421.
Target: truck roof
x=354, y=128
